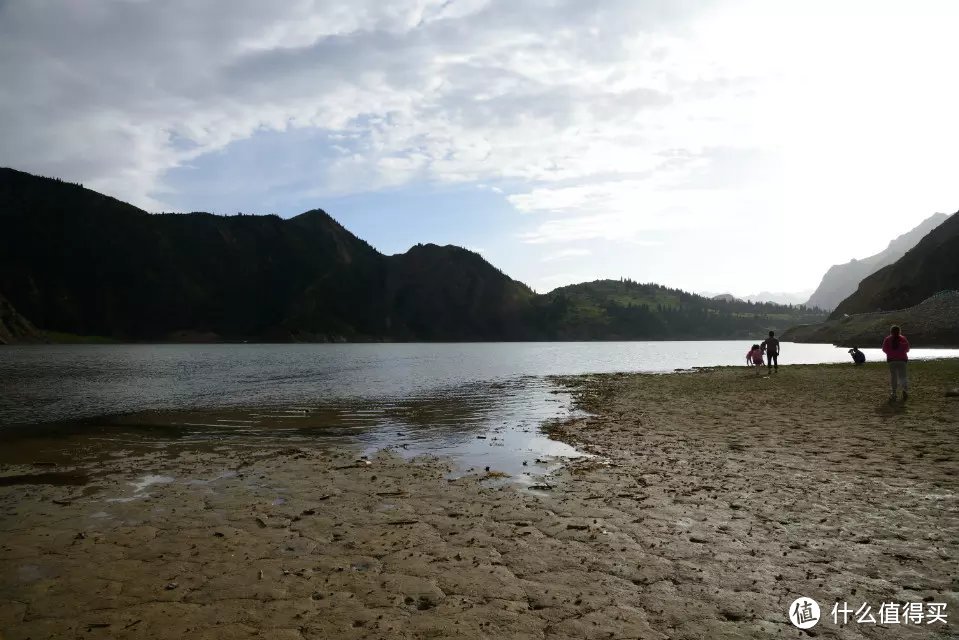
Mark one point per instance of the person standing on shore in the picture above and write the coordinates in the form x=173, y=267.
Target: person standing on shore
x=896, y=348
x=771, y=347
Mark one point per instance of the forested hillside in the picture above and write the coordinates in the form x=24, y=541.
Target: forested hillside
x=77, y=263
x=627, y=310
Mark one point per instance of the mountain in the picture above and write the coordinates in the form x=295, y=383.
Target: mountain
x=776, y=297
x=79, y=263
x=841, y=280
x=725, y=297
x=447, y=293
x=933, y=322
x=920, y=292
x=627, y=310
x=929, y=267
x=780, y=297
x=75, y=261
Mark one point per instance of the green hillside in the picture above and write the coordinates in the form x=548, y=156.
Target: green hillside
x=627, y=310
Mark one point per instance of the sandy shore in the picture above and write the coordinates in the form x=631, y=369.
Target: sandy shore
x=714, y=499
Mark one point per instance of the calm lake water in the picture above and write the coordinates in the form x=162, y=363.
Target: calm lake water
x=48, y=383
x=476, y=401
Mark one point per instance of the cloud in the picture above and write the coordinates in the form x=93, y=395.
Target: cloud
x=566, y=253
x=116, y=93
x=610, y=121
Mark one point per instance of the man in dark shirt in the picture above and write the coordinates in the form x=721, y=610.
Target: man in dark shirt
x=771, y=347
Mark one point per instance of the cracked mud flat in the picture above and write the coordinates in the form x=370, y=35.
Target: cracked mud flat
x=717, y=498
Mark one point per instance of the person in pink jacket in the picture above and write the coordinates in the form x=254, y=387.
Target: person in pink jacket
x=896, y=348
x=754, y=357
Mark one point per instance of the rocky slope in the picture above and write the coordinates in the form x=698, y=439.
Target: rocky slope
x=932, y=323
x=926, y=269
x=14, y=328
x=841, y=280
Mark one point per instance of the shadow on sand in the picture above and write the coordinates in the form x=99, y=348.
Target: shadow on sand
x=887, y=409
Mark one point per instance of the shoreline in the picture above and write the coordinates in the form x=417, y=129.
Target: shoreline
x=798, y=334
x=713, y=498
x=39, y=391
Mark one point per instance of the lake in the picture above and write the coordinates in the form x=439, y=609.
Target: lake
x=43, y=383
x=469, y=400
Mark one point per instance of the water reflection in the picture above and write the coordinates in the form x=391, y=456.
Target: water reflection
x=479, y=425
x=481, y=404
x=46, y=383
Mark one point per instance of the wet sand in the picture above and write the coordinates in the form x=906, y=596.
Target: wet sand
x=713, y=500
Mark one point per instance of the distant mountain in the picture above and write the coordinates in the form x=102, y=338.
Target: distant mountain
x=780, y=297
x=929, y=267
x=725, y=297
x=783, y=297
x=76, y=262
x=920, y=292
x=841, y=280
x=627, y=310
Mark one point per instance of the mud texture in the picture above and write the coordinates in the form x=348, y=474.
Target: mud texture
x=714, y=499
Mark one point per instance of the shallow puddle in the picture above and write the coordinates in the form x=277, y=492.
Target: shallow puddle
x=491, y=427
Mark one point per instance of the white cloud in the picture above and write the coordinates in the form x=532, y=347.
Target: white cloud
x=117, y=93
x=564, y=254
x=605, y=121
x=622, y=210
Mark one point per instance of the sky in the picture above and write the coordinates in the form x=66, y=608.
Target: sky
x=713, y=146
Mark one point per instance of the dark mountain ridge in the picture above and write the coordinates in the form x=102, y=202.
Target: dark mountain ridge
x=78, y=262
x=920, y=292
x=931, y=266
x=934, y=322
x=841, y=280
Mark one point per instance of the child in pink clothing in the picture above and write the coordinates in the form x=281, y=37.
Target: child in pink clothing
x=755, y=357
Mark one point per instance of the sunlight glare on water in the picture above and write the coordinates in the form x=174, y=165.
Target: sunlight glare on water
x=59, y=382
x=479, y=404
